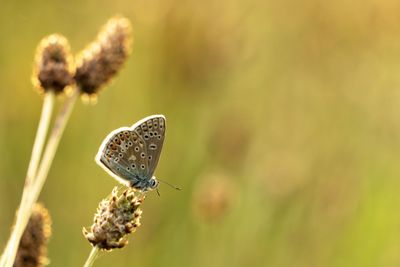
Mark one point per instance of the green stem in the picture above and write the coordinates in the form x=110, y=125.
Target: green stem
x=48, y=156
x=92, y=256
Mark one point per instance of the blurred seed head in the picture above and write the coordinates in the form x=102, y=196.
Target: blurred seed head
x=116, y=217
x=53, y=67
x=214, y=196
x=229, y=139
x=32, y=250
x=100, y=61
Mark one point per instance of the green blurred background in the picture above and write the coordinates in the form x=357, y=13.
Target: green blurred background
x=283, y=130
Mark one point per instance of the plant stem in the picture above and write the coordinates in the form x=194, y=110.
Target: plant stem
x=45, y=117
x=41, y=176
x=47, y=110
x=52, y=146
x=92, y=256
x=41, y=134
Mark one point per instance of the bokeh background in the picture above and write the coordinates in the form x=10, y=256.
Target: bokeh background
x=283, y=130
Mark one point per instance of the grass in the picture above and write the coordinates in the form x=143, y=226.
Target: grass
x=315, y=84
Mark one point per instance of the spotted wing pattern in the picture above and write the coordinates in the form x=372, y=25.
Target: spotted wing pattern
x=152, y=131
x=124, y=154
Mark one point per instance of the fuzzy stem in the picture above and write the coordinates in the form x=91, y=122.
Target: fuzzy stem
x=41, y=176
x=47, y=110
x=92, y=256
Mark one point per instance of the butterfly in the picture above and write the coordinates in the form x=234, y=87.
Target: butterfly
x=130, y=154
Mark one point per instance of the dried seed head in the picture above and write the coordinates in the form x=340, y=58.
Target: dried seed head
x=116, y=217
x=54, y=69
x=103, y=58
x=214, y=196
x=32, y=250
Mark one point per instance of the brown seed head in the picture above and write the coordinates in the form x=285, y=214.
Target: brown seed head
x=103, y=58
x=116, y=217
x=54, y=69
x=214, y=196
x=32, y=250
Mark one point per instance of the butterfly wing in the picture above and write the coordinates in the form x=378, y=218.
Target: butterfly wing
x=152, y=130
x=123, y=155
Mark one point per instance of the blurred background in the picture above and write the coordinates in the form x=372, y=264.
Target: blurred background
x=283, y=130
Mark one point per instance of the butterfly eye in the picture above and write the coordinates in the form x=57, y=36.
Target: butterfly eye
x=153, y=183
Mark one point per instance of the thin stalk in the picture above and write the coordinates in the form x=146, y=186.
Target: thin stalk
x=44, y=122
x=34, y=192
x=92, y=257
x=47, y=110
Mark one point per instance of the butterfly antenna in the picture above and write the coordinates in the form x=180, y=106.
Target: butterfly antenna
x=173, y=186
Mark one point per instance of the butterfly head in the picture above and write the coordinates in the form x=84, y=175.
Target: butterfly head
x=152, y=183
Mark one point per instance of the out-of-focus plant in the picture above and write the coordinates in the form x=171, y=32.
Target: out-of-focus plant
x=55, y=73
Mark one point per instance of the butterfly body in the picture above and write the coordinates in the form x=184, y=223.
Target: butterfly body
x=130, y=154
